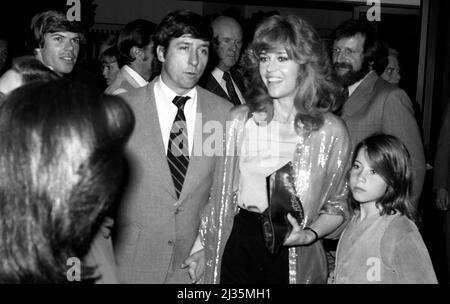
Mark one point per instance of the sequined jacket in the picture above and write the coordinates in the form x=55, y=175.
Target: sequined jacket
x=320, y=161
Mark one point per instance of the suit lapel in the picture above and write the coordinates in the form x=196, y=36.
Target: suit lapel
x=213, y=86
x=196, y=164
x=157, y=151
x=361, y=96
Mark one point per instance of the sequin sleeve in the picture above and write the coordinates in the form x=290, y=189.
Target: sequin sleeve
x=217, y=217
x=335, y=183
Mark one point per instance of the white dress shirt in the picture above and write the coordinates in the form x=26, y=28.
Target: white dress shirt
x=218, y=75
x=167, y=111
x=136, y=77
x=353, y=87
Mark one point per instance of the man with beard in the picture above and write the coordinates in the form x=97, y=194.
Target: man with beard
x=374, y=105
x=222, y=77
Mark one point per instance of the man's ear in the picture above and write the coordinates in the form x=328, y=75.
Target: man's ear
x=37, y=53
x=135, y=52
x=160, y=50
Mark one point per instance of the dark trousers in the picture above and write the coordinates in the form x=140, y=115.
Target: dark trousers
x=245, y=258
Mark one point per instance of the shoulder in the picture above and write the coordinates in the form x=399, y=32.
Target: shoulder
x=239, y=112
x=399, y=228
x=391, y=92
x=402, y=224
x=334, y=125
x=214, y=100
x=116, y=84
x=135, y=95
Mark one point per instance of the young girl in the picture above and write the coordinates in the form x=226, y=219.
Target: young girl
x=381, y=244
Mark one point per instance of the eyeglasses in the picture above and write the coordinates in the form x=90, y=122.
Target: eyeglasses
x=391, y=70
x=228, y=41
x=345, y=52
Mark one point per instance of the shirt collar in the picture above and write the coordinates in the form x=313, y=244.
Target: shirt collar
x=353, y=87
x=170, y=94
x=218, y=74
x=135, y=75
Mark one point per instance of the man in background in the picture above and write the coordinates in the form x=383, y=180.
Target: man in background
x=222, y=77
x=135, y=57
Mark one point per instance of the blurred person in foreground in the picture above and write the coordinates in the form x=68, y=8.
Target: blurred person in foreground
x=60, y=162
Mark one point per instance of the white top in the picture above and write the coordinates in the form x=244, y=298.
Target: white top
x=167, y=111
x=264, y=150
x=218, y=75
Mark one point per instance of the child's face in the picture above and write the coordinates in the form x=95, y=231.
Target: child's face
x=366, y=184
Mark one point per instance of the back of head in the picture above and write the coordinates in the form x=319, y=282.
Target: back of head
x=137, y=33
x=353, y=27
x=381, y=60
x=60, y=160
x=50, y=22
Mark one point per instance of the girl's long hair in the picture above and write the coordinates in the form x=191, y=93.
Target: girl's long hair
x=390, y=159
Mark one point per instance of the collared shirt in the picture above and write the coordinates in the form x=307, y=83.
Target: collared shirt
x=136, y=77
x=218, y=75
x=167, y=111
x=353, y=87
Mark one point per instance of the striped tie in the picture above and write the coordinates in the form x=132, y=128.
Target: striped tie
x=178, y=149
x=233, y=97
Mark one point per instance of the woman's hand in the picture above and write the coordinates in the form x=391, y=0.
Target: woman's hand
x=298, y=236
x=196, y=265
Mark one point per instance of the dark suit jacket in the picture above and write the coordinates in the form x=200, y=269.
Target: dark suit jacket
x=442, y=160
x=155, y=230
x=379, y=107
x=209, y=83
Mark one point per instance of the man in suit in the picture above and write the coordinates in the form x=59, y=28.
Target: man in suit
x=135, y=48
x=373, y=105
x=170, y=173
x=222, y=77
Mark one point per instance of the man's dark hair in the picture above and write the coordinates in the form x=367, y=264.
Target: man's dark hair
x=179, y=23
x=51, y=22
x=136, y=33
x=352, y=27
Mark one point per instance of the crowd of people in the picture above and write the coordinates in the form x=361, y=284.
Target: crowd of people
x=207, y=159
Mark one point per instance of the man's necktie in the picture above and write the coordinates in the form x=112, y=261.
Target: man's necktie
x=230, y=88
x=178, y=149
x=345, y=93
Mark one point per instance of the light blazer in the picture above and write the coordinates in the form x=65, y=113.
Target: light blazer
x=123, y=83
x=379, y=107
x=155, y=230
